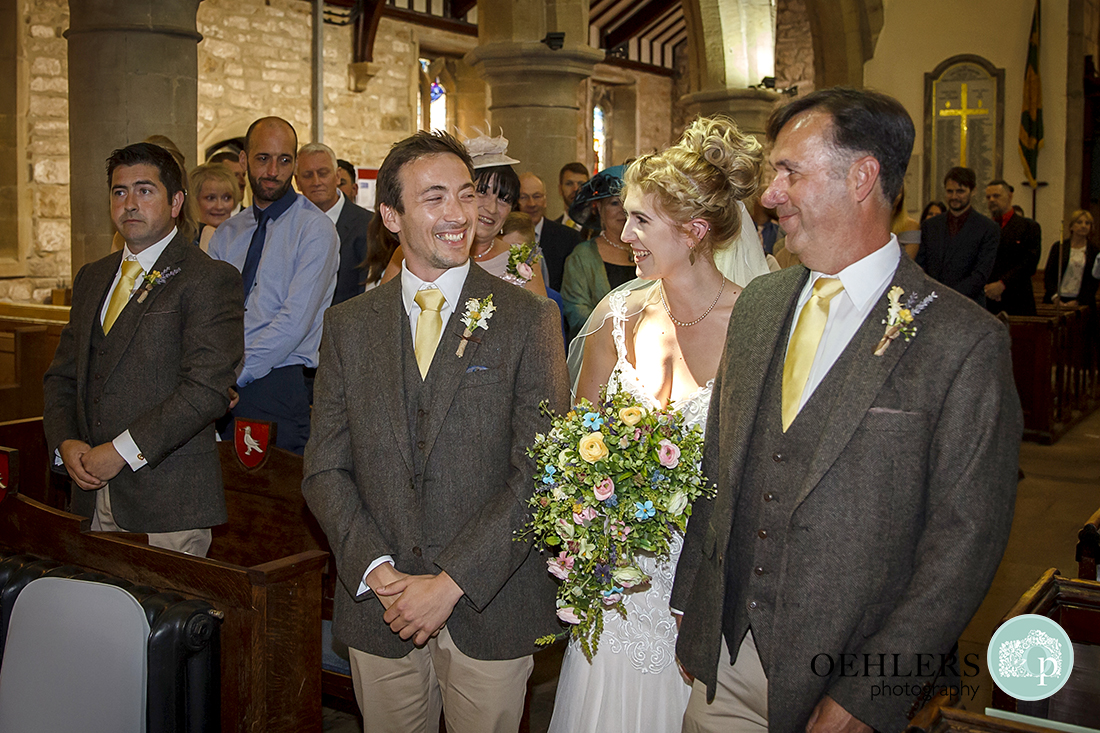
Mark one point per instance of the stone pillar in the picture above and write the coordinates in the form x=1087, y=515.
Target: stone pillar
x=533, y=88
x=731, y=47
x=133, y=72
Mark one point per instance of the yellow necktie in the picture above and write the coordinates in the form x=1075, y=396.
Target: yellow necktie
x=131, y=271
x=428, y=325
x=804, y=343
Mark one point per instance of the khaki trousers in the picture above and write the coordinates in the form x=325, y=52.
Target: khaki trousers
x=741, y=701
x=190, y=541
x=406, y=695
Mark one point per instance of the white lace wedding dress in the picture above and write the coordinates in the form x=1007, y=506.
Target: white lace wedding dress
x=632, y=684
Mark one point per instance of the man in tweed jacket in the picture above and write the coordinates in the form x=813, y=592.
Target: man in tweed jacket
x=862, y=529
x=132, y=394
x=417, y=470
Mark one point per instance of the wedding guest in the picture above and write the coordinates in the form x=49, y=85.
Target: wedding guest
x=604, y=262
x=216, y=194
x=934, y=208
x=1069, y=269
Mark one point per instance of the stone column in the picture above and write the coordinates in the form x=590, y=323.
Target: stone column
x=133, y=72
x=731, y=47
x=533, y=88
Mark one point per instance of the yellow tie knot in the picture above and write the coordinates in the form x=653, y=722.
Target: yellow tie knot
x=827, y=288
x=131, y=271
x=429, y=324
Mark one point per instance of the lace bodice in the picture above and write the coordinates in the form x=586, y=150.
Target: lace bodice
x=648, y=633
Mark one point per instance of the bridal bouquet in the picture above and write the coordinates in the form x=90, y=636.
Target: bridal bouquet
x=612, y=480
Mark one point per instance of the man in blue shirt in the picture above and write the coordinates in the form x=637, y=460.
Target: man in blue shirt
x=288, y=252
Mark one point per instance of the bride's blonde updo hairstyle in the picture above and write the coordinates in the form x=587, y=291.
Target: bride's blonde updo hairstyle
x=713, y=166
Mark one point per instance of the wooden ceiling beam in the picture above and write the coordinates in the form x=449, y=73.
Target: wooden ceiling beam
x=638, y=21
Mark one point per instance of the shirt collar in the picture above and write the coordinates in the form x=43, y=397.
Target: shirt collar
x=1005, y=217
x=538, y=229
x=336, y=209
x=449, y=283
x=276, y=208
x=864, y=279
x=148, y=256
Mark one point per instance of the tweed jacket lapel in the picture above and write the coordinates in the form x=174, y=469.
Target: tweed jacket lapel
x=863, y=376
x=95, y=289
x=122, y=332
x=770, y=316
x=388, y=341
x=448, y=369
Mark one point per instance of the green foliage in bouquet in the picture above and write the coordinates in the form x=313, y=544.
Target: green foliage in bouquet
x=612, y=480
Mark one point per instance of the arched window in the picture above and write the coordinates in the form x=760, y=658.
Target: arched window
x=600, y=145
x=431, y=99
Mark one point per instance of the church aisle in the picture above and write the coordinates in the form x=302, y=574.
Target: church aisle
x=1057, y=496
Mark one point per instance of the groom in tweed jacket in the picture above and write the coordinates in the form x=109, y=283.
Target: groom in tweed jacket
x=844, y=543
x=417, y=469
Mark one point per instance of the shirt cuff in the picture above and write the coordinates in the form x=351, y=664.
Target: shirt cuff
x=129, y=451
x=363, y=587
x=57, y=458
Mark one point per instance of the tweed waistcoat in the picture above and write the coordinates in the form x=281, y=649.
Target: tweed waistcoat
x=774, y=471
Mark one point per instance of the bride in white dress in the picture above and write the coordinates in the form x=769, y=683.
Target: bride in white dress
x=665, y=339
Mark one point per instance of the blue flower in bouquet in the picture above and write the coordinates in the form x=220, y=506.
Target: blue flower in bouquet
x=603, y=573
x=657, y=478
x=611, y=501
x=548, y=478
x=592, y=421
x=613, y=596
x=644, y=511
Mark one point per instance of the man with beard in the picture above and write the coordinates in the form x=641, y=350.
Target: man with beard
x=570, y=179
x=958, y=248
x=1009, y=287
x=288, y=252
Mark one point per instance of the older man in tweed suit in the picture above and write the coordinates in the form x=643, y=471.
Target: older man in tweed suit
x=417, y=468
x=865, y=485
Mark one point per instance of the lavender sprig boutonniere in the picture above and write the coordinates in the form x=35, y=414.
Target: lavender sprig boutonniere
x=156, y=277
x=899, y=318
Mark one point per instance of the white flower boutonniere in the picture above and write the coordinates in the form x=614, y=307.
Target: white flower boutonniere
x=155, y=278
x=899, y=319
x=477, y=315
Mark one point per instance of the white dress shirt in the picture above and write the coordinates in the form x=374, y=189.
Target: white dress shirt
x=864, y=283
x=336, y=209
x=450, y=283
x=538, y=229
x=148, y=257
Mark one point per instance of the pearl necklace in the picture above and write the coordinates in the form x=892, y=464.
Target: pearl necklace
x=486, y=252
x=625, y=248
x=682, y=324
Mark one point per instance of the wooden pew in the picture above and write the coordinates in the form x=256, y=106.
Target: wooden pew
x=1088, y=548
x=1075, y=605
x=28, y=340
x=37, y=481
x=270, y=642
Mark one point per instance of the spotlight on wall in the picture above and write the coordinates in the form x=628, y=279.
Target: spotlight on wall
x=554, y=40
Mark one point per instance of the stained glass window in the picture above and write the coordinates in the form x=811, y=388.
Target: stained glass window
x=437, y=100
x=599, y=138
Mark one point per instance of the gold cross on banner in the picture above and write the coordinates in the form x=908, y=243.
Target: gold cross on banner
x=963, y=114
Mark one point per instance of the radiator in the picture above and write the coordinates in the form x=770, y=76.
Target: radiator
x=184, y=694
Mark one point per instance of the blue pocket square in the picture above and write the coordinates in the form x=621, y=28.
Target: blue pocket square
x=476, y=369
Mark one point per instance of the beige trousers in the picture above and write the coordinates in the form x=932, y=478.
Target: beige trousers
x=406, y=695
x=741, y=701
x=190, y=541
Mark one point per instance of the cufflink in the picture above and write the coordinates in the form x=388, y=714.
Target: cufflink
x=141, y=457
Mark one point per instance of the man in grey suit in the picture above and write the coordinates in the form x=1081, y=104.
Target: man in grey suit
x=317, y=180
x=416, y=466
x=144, y=367
x=866, y=484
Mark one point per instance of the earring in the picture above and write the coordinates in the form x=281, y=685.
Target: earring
x=691, y=256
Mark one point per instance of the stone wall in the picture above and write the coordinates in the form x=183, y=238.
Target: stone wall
x=44, y=258
x=794, y=49
x=254, y=60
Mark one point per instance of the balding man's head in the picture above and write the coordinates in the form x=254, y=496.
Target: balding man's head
x=270, y=149
x=532, y=196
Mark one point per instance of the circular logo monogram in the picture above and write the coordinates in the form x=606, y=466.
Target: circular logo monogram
x=1030, y=657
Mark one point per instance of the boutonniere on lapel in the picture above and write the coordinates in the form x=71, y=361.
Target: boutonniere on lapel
x=156, y=277
x=899, y=319
x=477, y=315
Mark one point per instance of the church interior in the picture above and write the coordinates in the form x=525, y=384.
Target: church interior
x=594, y=81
